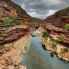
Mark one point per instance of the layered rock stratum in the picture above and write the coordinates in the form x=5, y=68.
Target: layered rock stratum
x=14, y=42
x=56, y=33
x=14, y=36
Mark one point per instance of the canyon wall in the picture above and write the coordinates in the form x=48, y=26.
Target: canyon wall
x=55, y=35
x=12, y=53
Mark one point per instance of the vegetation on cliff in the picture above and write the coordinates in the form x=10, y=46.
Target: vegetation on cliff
x=56, y=29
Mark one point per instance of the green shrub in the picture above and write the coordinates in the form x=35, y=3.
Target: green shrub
x=54, y=43
x=67, y=26
x=6, y=21
x=64, y=50
x=10, y=21
x=45, y=33
x=57, y=24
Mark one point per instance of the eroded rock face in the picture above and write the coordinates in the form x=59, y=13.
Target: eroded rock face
x=54, y=28
x=13, y=44
x=59, y=16
x=58, y=23
x=56, y=33
x=14, y=38
x=13, y=34
x=59, y=32
x=7, y=10
x=13, y=53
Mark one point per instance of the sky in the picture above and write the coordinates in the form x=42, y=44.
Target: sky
x=42, y=8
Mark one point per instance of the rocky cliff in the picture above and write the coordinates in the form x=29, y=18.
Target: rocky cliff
x=10, y=6
x=14, y=43
x=56, y=33
x=16, y=14
x=61, y=16
x=14, y=36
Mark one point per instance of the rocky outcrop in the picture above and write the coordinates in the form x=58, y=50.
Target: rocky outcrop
x=15, y=42
x=7, y=10
x=13, y=34
x=54, y=28
x=61, y=16
x=12, y=9
x=56, y=33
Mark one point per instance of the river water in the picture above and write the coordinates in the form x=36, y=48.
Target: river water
x=37, y=58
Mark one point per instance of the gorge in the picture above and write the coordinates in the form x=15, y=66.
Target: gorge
x=20, y=50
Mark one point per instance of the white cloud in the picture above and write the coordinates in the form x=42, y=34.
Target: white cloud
x=34, y=14
x=23, y=6
x=42, y=8
x=51, y=2
x=42, y=16
x=51, y=12
x=56, y=1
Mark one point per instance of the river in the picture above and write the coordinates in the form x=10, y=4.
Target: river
x=37, y=58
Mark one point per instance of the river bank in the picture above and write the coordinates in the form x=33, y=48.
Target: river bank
x=38, y=58
x=60, y=50
x=11, y=55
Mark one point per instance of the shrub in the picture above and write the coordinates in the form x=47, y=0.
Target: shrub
x=65, y=49
x=6, y=21
x=54, y=43
x=45, y=33
x=67, y=26
x=57, y=24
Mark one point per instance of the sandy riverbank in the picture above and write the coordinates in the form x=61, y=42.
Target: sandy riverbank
x=13, y=53
x=59, y=49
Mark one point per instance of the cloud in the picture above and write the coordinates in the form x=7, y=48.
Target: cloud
x=51, y=12
x=42, y=8
x=43, y=14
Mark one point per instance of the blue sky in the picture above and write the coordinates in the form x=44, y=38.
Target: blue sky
x=42, y=8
